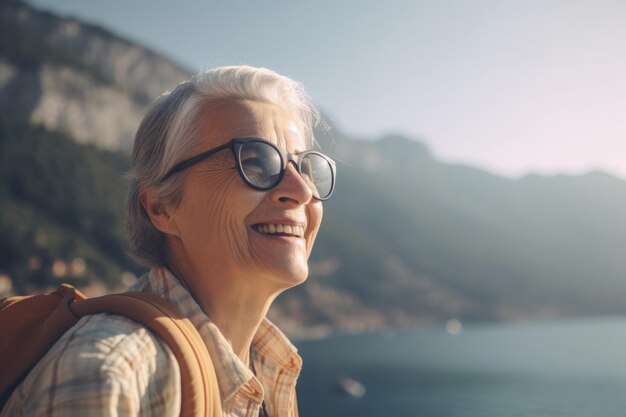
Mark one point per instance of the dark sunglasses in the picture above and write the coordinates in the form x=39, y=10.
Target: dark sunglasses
x=261, y=165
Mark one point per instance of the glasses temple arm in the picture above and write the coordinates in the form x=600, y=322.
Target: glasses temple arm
x=193, y=160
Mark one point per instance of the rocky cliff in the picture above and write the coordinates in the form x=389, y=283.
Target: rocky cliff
x=77, y=78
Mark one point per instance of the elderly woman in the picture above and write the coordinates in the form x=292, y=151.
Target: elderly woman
x=225, y=202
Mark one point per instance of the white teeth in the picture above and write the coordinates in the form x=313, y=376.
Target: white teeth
x=270, y=229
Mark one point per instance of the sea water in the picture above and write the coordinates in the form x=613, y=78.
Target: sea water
x=560, y=368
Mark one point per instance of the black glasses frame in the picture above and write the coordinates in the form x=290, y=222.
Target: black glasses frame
x=236, y=144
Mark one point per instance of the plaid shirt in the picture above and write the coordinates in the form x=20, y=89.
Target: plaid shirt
x=110, y=366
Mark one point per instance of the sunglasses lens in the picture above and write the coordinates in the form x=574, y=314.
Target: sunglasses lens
x=262, y=167
x=261, y=164
x=318, y=173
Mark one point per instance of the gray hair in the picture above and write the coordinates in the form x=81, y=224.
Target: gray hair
x=169, y=133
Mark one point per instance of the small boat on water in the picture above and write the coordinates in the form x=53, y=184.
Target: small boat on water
x=350, y=386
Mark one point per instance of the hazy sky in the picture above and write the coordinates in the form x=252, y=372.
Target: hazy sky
x=512, y=86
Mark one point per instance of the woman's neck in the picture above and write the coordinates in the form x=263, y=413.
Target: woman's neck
x=238, y=316
x=234, y=306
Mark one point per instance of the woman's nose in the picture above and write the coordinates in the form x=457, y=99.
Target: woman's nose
x=292, y=189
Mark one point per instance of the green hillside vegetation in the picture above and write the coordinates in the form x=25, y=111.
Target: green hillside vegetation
x=59, y=201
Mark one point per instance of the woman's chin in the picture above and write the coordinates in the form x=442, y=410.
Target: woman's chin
x=288, y=277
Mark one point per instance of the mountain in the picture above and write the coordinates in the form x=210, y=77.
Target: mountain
x=461, y=242
x=407, y=239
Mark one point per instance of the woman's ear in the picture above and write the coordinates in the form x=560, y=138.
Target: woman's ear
x=160, y=214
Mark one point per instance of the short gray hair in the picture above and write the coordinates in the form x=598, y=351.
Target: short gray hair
x=169, y=133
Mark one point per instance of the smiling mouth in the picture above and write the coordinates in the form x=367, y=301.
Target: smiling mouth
x=279, y=230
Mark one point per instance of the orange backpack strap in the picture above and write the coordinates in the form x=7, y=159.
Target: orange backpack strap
x=200, y=395
x=200, y=391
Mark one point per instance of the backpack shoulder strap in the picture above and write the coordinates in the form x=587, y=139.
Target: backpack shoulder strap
x=200, y=391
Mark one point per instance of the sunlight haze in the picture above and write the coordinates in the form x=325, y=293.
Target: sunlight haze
x=510, y=86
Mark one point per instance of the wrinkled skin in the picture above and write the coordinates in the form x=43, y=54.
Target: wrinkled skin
x=231, y=269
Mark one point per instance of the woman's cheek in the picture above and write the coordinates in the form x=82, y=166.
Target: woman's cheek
x=236, y=237
x=236, y=204
x=216, y=212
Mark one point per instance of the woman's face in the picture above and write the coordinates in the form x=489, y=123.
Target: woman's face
x=220, y=219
